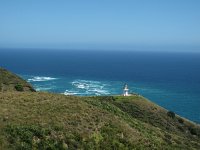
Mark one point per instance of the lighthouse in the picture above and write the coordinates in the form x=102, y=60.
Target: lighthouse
x=126, y=90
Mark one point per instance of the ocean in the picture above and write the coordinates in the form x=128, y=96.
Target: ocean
x=170, y=79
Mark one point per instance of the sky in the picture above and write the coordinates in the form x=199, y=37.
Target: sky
x=100, y=24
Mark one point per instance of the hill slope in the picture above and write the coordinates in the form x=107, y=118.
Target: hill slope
x=38, y=120
x=42, y=120
x=12, y=82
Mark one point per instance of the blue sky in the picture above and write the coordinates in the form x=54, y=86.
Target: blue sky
x=100, y=24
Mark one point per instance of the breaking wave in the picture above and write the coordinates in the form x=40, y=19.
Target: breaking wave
x=87, y=87
x=43, y=89
x=68, y=92
x=39, y=79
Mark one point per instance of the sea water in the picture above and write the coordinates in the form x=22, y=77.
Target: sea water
x=172, y=80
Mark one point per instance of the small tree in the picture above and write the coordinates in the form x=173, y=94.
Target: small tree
x=19, y=87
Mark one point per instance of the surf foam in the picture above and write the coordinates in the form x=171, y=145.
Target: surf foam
x=39, y=79
x=87, y=87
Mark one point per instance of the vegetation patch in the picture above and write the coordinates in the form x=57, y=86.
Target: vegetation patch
x=19, y=87
x=171, y=114
x=28, y=137
x=180, y=120
x=36, y=137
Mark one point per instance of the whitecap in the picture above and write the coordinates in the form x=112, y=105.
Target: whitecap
x=68, y=92
x=89, y=87
x=99, y=91
x=39, y=79
x=43, y=89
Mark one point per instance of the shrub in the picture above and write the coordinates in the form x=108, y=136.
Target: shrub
x=180, y=120
x=171, y=114
x=193, y=130
x=19, y=87
x=34, y=137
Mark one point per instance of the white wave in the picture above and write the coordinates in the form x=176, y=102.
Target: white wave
x=68, y=92
x=39, y=79
x=99, y=91
x=43, y=89
x=86, y=84
x=88, y=87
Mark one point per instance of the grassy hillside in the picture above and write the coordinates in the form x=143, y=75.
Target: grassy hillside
x=12, y=82
x=38, y=120
x=53, y=121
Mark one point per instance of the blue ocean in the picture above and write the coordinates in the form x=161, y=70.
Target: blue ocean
x=171, y=80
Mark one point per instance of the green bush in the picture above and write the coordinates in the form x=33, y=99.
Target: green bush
x=19, y=87
x=171, y=114
x=34, y=137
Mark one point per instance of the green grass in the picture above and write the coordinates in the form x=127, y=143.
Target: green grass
x=53, y=121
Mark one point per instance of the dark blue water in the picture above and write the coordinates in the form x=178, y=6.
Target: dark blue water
x=171, y=80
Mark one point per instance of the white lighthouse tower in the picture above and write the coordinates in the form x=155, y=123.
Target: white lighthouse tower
x=126, y=90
